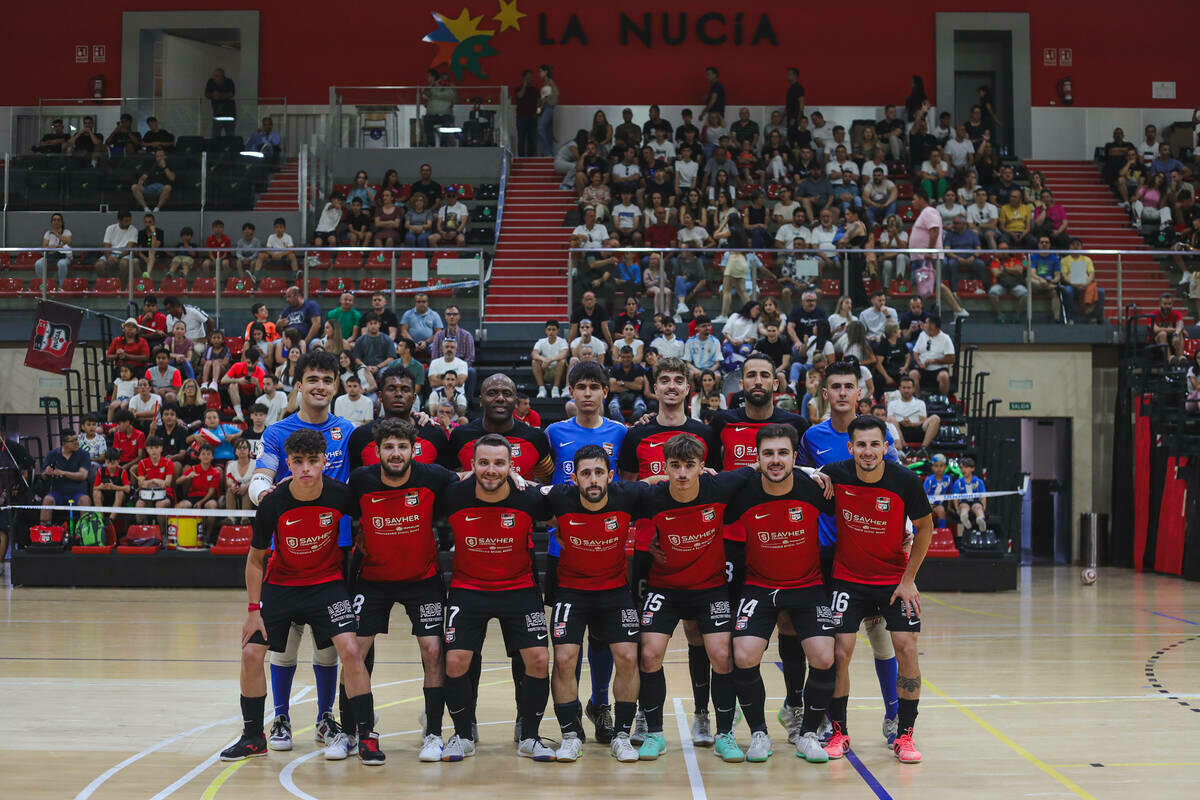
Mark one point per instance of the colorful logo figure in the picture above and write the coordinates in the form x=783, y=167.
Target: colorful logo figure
x=462, y=43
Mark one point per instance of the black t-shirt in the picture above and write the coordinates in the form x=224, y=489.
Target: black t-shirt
x=174, y=441
x=920, y=145
x=744, y=131
x=781, y=347
x=975, y=130
x=530, y=446
x=146, y=238
x=634, y=372
x=254, y=438
x=651, y=126
x=892, y=356
x=431, y=190
x=596, y=162
x=526, y=103
x=756, y=216
x=157, y=174
x=906, y=321
x=795, y=96
x=885, y=127
x=361, y=221
x=387, y=321
x=221, y=108
x=85, y=143
x=596, y=315
x=158, y=137
x=48, y=145
x=804, y=320
x=717, y=92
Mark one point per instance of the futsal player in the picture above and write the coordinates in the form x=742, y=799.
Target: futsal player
x=397, y=391
x=780, y=510
x=593, y=517
x=736, y=430
x=395, y=499
x=826, y=443
x=587, y=386
x=303, y=583
x=687, y=581
x=872, y=574
x=316, y=384
x=642, y=457
x=493, y=578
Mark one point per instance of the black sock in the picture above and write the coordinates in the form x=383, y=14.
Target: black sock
x=435, y=702
x=460, y=704
x=817, y=695
x=752, y=696
x=364, y=713
x=791, y=655
x=345, y=709
x=568, y=718
x=624, y=716
x=252, y=715
x=837, y=711
x=700, y=669
x=724, y=698
x=908, y=715
x=652, y=697
x=518, y=676
x=579, y=713
x=535, y=692
x=473, y=674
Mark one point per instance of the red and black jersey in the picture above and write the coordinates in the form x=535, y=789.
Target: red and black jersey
x=736, y=433
x=128, y=445
x=641, y=452
x=397, y=522
x=871, y=521
x=593, y=542
x=690, y=533
x=427, y=449
x=104, y=476
x=305, y=533
x=492, y=540
x=783, y=540
x=529, y=446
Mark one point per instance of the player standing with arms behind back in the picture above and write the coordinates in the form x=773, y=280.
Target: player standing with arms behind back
x=872, y=575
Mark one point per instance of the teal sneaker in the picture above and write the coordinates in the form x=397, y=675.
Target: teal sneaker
x=654, y=746
x=726, y=748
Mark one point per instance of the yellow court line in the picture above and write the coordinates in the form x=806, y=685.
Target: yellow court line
x=227, y=773
x=1142, y=764
x=1016, y=748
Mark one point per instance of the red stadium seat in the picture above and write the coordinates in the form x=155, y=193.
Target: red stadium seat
x=74, y=287
x=136, y=532
x=831, y=287
x=173, y=285
x=235, y=285
x=405, y=284
x=1191, y=347
x=314, y=286
x=348, y=259
x=872, y=285
x=465, y=190
x=368, y=286
x=233, y=540
x=107, y=287
x=342, y=188
x=404, y=260
x=272, y=286
x=337, y=286
x=380, y=259
x=942, y=544
x=904, y=191
x=204, y=287
x=971, y=288
x=318, y=259
x=25, y=259
x=11, y=287
x=35, y=285
x=143, y=286
x=234, y=343
x=899, y=286
x=433, y=283
x=769, y=288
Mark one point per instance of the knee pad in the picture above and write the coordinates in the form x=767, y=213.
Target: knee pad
x=881, y=640
x=325, y=656
x=288, y=657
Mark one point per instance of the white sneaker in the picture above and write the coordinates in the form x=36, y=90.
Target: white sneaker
x=556, y=392
x=701, y=731
x=962, y=312
x=809, y=748
x=681, y=309
x=326, y=729
x=542, y=392
x=571, y=748
x=457, y=749
x=639, y=729
x=760, y=747
x=431, y=748
x=281, y=734
x=340, y=747
x=719, y=318
x=891, y=725
x=533, y=748
x=622, y=749
x=1187, y=277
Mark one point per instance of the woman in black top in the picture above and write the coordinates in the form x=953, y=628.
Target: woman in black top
x=890, y=357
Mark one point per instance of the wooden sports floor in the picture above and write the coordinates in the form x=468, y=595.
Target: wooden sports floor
x=1055, y=691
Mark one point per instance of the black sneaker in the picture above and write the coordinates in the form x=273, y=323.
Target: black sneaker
x=601, y=717
x=369, y=752
x=245, y=747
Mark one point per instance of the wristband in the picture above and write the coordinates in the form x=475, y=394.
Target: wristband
x=259, y=485
x=252, y=607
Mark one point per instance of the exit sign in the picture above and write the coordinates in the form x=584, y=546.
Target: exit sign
x=1020, y=406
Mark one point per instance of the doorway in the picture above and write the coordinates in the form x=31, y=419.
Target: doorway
x=984, y=58
x=1046, y=458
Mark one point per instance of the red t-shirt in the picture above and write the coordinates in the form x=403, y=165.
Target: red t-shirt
x=203, y=480
x=305, y=534
x=139, y=347
x=783, y=537
x=533, y=418
x=397, y=522
x=238, y=371
x=156, y=321
x=1168, y=320
x=492, y=540
x=593, y=542
x=147, y=470
x=128, y=445
x=221, y=242
x=104, y=476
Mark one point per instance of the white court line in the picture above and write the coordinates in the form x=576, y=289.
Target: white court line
x=689, y=753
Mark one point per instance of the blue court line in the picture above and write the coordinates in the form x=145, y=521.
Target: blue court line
x=1177, y=619
x=859, y=767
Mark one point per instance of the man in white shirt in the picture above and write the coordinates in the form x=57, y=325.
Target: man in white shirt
x=352, y=405
x=663, y=147
x=961, y=151
x=449, y=361
x=627, y=219
x=793, y=235
x=691, y=234
x=450, y=221
x=908, y=413
x=687, y=169
x=548, y=359
x=839, y=140
x=117, y=240
x=982, y=218
x=598, y=347
x=785, y=209
x=666, y=343
x=591, y=235
x=821, y=237
x=843, y=174
x=878, y=315
x=822, y=131
x=627, y=174
x=278, y=252
x=449, y=392
x=275, y=400
x=932, y=356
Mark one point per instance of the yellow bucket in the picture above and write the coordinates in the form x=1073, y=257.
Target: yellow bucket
x=185, y=530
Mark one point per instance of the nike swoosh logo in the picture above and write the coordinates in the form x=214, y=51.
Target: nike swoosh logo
x=655, y=444
x=564, y=444
x=431, y=627
x=826, y=627
x=823, y=452
x=719, y=624
x=761, y=516
x=542, y=636
x=378, y=499
x=914, y=622
x=573, y=522
x=740, y=428
x=344, y=624
x=291, y=522
x=472, y=519
x=669, y=519
x=632, y=633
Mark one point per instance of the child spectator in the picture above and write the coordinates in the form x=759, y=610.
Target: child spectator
x=329, y=224
x=261, y=315
x=273, y=400
x=202, y=482
x=358, y=227
x=91, y=441
x=155, y=477
x=218, y=246
x=111, y=488
x=972, y=509
x=123, y=390
x=128, y=441
x=216, y=434
x=244, y=379
x=709, y=388
x=145, y=406
x=450, y=392
x=164, y=379
x=179, y=349
x=254, y=432
x=246, y=254
x=279, y=250
x=237, y=478
x=352, y=405
x=152, y=324
x=525, y=412
x=216, y=360
x=291, y=339
x=185, y=255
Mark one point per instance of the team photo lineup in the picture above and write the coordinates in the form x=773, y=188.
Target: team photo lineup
x=752, y=525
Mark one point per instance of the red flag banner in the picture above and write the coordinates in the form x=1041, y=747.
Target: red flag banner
x=55, y=332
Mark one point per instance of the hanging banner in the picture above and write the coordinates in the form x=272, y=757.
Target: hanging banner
x=55, y=332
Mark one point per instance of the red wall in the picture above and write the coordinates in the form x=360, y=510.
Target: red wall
x=306, y=46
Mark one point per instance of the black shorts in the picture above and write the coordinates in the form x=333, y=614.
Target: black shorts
x=520, y=611
x=759, y=607
x=324, y=607
x=710, y=608
x=929, y=377
x=608, y=615
x=422, y=600
x=854, y=602
x=735, y=568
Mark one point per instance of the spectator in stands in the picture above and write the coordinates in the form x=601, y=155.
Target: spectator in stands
x=690, y=274
x=596, y=195
x=202, y=482
x=932, y=356
x=447, y=362
x=891, y=356
x=912, y=321
x=152, y=239
x=164, y=379
x=960, y=151
x=667, y=344
x=124, y=140
x=244, y=379
x=1165, y=162
x=949, y=208
x=527, y=106
x=450, y=222
x=265, y=139
x=1189, y=264
x=1150, y=204
x=1047, y=275
x=388, y=323
x=217, y=435
x=548, y=359
x=119, y=239
x=358, y=226
x=800, y=321
x=821, y=240
x=124, y=387
x=191, y=404
x=129, y=348
x=145, y=406
x=353, y=405
x=890, y=131
x=173, y=433
x=450, y=392
x=156, y=138
x=982, y=218
x=55, y=141
x=279, y=250
x=1166, y=326
x=389, y=221
x=111, y=488
x=909, y=414
x=91, y=441
x=428, y=187
x=740, y=332
x=1084, y=298
x=155, y=184
x=220, y=91
x=1130, y=176
x=244, y=256
x=629, y=338
x=347, y=318
x=815, y=194
x=702, y=351
x=366, y=378
x=420, y=324
x=59, y=237
x=329, y=223
x=238, y=472
x=1050, y=219
x=525, y=413
x=154, y=477
x=1015, y=221
x=934, y=173
x=185, y=254
x=627, y=221
x=1009, y=273
x=585, y=344
x=656, y=283
x=626, y=385
x=1001, y=190
x=879, y=196
x=127, y=440
x=216, y=360
x=719, y=162
x=362, y=190
x=967, y=265
x=878, y=316
x=839, y=321
x=86, y=141
x=372, y=350
x=302, y=315
x=737, y=268
x=66, y=469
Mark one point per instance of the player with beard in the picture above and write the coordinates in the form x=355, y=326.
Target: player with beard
x=737, y=429
x=780, y=513
x=642, y=457
x=397, y=392
x=394, y=499
x=594, y=518
x=824, y=443
x=873, y=575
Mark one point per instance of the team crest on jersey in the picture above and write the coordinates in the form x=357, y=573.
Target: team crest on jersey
x=883, y=503
x=608, y=448
x=610, y=523
x=739, y=450
x=472, y=541
x=560, y=630
x=507, y=520
x=742, y=623
x=575, y=540
x=449, y=635
x=326, y=518
x=764, y=537
x=796, y=514
x=516, y=450
x=709, y=515
x=336, y=434
x=412, y=499
x=673, y=539
x=418, y=447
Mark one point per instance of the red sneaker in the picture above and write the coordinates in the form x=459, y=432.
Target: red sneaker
x=839, y=743
x=906, y=752
x=369, y=752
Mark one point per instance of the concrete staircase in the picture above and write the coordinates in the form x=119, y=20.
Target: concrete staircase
x=283, y=193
